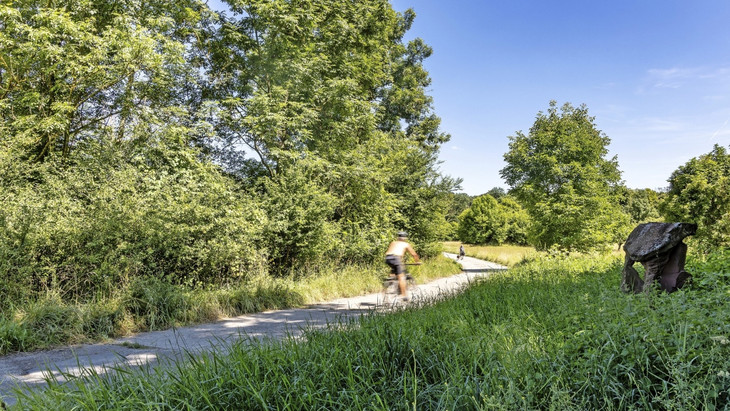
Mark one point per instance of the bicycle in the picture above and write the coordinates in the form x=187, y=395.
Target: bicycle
x=391, y=289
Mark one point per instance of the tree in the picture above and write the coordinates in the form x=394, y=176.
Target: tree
x=459, y=203
x=517, y=220
x=642, y=205
x=329, y=90
x=491, y=221
x=559, y=172
x=71, y=71
x=497, y=192
x=699, y=192
x=98, y=179
x=161, y=138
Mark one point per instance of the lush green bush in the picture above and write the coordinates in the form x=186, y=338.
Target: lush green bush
x=102, y=320
x=642, y=205
x=52, y=321
x=300, y=229
x=711, y=272
x=493, y=221
x=86, y=230
x=14, y=336
x=154, y=303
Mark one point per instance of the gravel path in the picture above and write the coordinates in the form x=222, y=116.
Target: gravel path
x=31, y=369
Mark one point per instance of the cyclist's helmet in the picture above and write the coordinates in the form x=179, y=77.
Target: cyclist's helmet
x=402, y=234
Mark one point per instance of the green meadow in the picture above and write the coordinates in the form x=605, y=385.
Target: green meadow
x=551, y=333
x=507, y=255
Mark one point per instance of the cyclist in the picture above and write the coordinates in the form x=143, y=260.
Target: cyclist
x=394, y=258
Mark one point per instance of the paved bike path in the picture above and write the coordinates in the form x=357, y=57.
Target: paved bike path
x=31, y=369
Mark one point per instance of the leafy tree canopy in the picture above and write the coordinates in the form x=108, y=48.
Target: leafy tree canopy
x=330, y=90
x=491, y=221
x=560, y=174
x=642, y=205
x=459, y=203
x=497, y=192
x=699, y=192
x=71, y=71
x=300, y=130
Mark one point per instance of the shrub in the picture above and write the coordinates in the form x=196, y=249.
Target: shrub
x=101, y=320
x=491, y=221
x=83, y=231
x=50, y=322
x=154, y=303
x=13, y=336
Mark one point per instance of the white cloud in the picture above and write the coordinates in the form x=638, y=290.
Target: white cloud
x=677, y=77
x=656, y=124
x=718, y=72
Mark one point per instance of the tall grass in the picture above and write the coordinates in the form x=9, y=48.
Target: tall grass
x=149, y=303
x=507, y=255
x=553, y=333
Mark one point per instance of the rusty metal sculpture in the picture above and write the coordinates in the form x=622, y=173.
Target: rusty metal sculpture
x=659, y=248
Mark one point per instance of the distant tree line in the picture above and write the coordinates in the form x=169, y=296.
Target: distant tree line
x=565, y=194
x=164, y=138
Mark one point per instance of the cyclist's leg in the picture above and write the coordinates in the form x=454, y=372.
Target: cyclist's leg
x=402, y=287
x=391, y=282
x=402, y=284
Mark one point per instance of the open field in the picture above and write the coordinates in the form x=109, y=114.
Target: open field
x=508, y=255
x=552, y=333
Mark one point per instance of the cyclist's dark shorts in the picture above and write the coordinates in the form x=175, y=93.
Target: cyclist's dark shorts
x=395, y=263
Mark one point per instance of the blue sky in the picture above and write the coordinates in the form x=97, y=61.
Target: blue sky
x=654, y=74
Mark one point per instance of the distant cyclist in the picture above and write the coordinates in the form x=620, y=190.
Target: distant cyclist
x=394, y=258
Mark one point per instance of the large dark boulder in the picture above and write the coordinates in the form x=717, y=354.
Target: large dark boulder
x=650, y=240
x=659, y=248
